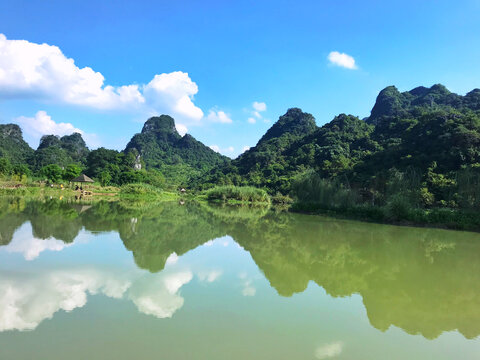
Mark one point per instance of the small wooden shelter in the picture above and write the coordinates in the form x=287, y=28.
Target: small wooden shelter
x=82, y=179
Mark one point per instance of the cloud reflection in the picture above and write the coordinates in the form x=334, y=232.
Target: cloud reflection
x=31, y=247
x=329, y=350
x=248, y=289
x=27, y=299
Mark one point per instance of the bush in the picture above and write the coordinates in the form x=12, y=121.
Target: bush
x=240, y=193
x=140, y=189
x=281, y=199
x=53, y=173
x=398, y=207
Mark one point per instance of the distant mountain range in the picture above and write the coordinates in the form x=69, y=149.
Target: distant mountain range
x=405, y=129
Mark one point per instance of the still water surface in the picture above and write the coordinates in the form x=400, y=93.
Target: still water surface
x=142, y=281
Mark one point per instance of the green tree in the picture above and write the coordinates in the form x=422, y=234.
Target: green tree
x=72, y=171
x=105, y=178
x=52, y=173
x=5, y=166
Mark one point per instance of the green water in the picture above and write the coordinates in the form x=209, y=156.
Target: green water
x=171, y=281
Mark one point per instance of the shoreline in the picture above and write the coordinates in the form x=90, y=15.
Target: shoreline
x=439, y=218
x=442, y=218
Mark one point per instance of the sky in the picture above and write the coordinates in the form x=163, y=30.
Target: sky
x=225, y=70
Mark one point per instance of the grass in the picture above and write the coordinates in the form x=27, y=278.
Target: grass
x=40, y=189
x=140, y=190
x=232, y=194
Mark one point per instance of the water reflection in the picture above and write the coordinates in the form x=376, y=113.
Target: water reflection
x=425, y=281
x=26, y=299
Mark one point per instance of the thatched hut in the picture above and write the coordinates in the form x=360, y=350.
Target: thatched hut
x=82, y=179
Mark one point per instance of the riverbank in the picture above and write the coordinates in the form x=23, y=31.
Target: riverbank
x=231, y=195
x=437, y=217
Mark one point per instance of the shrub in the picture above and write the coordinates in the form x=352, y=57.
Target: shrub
x=398, y=207
x=281, y=199
x=240, y=193
x=140, y=189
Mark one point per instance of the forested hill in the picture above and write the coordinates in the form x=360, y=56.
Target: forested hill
x=160, y=144
x=156, y=155
x=12, y=146
x=426, y=129
x=61, y=151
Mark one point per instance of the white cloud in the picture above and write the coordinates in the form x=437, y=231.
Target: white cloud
x=182, y=129
x=217, y=148
x=42, y=72
x=329, y=350
x=259, y=106
x=173, y=94
x=342, y=60
x=219, y=116
x=42, y=124
x=245, y=148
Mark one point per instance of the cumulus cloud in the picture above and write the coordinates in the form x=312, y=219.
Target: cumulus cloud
x=329, y=350
x=173, y=94
x=245, y=148
x=342, y=60
x=259, y=106
x=43, y=124
x=42, y=72
x=228, y=150
x=182, y=129
x=219, y=116
x=215, y=148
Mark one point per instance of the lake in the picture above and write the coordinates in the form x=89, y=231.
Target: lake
x=120, y=280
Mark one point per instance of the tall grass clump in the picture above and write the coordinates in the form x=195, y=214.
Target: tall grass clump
x=310, y=188
x=238, y=193
x=140, y=189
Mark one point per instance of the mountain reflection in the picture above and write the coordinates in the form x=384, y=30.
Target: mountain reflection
x=425, y=281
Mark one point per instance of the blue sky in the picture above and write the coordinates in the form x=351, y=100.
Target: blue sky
x=220, y=57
